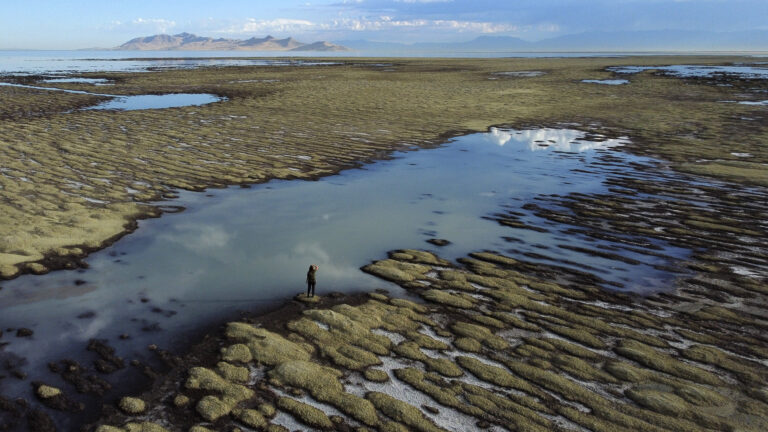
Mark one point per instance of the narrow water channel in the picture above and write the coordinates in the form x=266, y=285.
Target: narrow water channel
x=241, y=249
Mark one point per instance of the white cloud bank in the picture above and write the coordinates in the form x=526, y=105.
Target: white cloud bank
x=380, y=23
x=154, y=25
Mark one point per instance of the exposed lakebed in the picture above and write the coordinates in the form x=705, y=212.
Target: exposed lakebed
x=244, y=249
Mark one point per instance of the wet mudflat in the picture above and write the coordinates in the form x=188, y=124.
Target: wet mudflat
x=572, y=225
x=234, y=249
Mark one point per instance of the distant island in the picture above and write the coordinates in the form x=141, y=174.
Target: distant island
x=191, y=42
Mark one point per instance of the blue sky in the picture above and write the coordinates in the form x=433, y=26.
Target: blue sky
x=47, y=24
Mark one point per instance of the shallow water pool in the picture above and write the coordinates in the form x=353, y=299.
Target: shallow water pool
x=142, y=102
x=606, y=81
x=243, y=249
x=94, y=81
x=136, y=102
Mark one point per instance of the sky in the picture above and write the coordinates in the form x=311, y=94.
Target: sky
x=66, y=24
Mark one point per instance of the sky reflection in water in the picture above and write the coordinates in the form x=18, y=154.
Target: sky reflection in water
x=238, y=249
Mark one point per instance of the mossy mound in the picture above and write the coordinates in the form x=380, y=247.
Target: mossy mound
x=701, y=396
x=306, y=414
x=492, y=374
x=651, y=358
x=233, y=373
x=266, y=347
x=396, y=271
x=304, y=298
x=659, y=401
x=134, y=427
x=402, y=412
x=748, y=372
x=250, y=418
x=107, y=428
x=237, y=353
x=206, y=379
x=268, y=410
x=181, y=400
x=480, y=334
x=626, y=372
x=131, y=405
x=376, y=375
x=46, y=392
x=468, y=344
x=212, y=408
x=448, y=299
x=419, y=256
x=323, y=384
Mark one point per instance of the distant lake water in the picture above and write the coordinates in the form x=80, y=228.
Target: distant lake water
x=64, y=62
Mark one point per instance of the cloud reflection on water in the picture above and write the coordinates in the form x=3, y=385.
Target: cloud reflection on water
x=567, y=140
x=199, y=238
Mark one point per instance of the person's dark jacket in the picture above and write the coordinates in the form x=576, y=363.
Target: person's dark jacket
x=311, y=275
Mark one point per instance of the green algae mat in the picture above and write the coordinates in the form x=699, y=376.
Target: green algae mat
x=73, y=181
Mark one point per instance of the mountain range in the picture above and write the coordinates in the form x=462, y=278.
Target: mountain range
x=191, y=42
x=617, y=41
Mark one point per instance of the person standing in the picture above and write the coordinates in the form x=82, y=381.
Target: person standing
x=311, y=280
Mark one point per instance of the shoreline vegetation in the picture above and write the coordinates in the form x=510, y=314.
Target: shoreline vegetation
x=494, y=341
x=75, y=181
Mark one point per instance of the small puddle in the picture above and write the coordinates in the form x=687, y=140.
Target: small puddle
x=136, y=102
x=760, y=103
x=142, y=102
x=519, y=74
x=244, y=249
x=94, y=81
x=606, y=81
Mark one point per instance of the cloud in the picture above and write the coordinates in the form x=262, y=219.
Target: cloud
x=200, y=238
x=378, y=23
x=152, y=25
x=159, y=24
x=278, y=25
x=388, y=23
